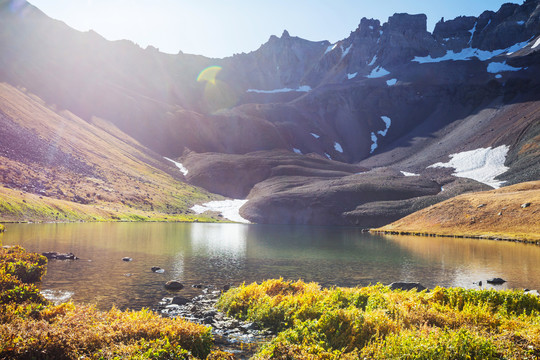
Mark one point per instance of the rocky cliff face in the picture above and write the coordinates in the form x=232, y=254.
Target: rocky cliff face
x=390, y=95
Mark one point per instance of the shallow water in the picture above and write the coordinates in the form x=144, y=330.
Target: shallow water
x=220, y=254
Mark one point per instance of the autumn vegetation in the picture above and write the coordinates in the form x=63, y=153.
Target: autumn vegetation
x=33, y=328
x=377, y=323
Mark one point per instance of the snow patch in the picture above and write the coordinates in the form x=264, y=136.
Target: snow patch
x=498, y=76
x=315, y=135
x=374, y=144
x=330, y=48
x=408, y=173
x=391, y=82
x=372, y=62
x=482, y=164
x=536, y=43
x=387, y=122
x=497, y=67
x=378, y=72
x=472, y=31
x=182, y=168
x=346, y=51
x=520, y=22
x=470, y=53
x=297, y=151
x=338, y=147
x=303, y=88
x=230, y=209
x=351, y=76
x=328, y=156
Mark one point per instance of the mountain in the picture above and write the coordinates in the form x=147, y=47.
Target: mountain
x=309, y=132
x=56, y=166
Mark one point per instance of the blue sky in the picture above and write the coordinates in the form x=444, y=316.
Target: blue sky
x=225, y=27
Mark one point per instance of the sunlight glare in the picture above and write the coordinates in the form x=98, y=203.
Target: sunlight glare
x=209, y=74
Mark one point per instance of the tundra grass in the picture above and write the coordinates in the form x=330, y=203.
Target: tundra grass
x=377, y=323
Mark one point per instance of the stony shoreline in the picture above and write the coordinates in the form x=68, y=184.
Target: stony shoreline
x=238, y=337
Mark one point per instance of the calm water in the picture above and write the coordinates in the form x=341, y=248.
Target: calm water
x=219, y=254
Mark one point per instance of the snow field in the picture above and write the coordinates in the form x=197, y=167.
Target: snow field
x=230, y=209
x=482, y=165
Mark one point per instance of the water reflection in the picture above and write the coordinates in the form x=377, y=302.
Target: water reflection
x=220, y=254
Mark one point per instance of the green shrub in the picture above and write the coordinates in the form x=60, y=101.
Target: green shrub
x=441, y=345
x=27, y=267
x=377, y=323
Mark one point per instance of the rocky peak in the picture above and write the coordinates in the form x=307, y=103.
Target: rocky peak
x=368, y=27
x=285, y=34
x=406, y=23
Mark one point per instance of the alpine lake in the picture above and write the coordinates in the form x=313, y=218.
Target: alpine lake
x=217, y=255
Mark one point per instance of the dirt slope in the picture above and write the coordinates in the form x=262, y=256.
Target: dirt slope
x=512, y=212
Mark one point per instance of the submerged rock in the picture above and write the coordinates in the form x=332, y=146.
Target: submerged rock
x=157, y=269
x=174, y=285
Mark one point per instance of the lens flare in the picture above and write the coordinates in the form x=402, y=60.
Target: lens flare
x=209, y=74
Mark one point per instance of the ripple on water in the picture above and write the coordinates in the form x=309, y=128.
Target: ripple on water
x=57, y=296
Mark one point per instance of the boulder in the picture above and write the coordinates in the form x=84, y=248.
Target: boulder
x=53, y=255
x=127, y=259
x=174, y=285
x=406, y=286
x=157, y=269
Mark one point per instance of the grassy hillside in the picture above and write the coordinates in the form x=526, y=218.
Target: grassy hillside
x=56, y=166
x=494, y=214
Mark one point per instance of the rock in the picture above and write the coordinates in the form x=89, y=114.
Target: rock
x=481, y=206
x=526, y=205
x=197, y=286
x=226, y=287
x=250, y=326
x=532, y=292
x=496, y=281
x=127, y=259
x=53, y=255
x=180, y=300
x=480, y=283
x=406, y=286
x=174, y=285
x=157, y=269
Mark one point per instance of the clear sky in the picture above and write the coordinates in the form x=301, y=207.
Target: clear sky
x=219, y=28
